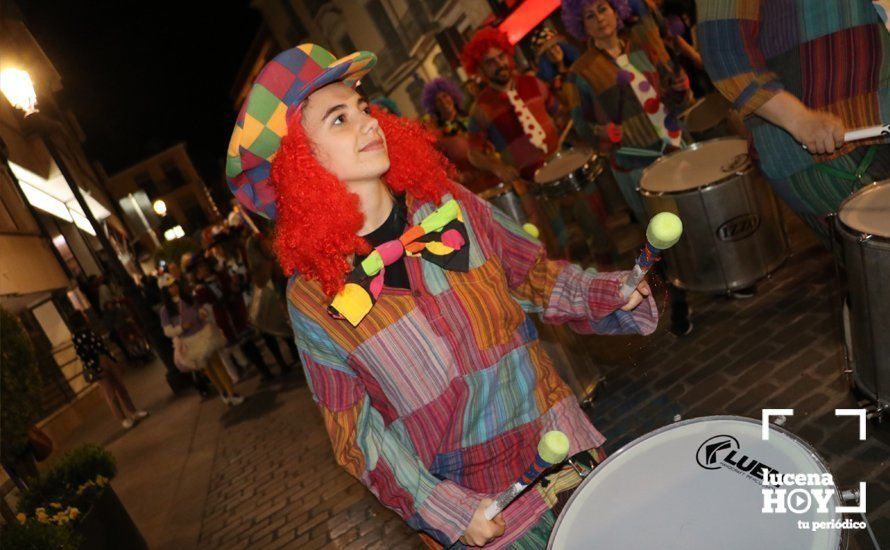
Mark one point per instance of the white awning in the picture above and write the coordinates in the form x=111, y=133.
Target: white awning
x=54, y=196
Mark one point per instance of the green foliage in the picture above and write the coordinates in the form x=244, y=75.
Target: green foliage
x=20, y=387
x=62, y=482
x=172, y=251
x=33, y=535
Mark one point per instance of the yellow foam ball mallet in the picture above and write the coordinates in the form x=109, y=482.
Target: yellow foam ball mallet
x=663, y=232
x=552, y=449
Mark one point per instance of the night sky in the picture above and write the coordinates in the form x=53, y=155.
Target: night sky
x=142, y=76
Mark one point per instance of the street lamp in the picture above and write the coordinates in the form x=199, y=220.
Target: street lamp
x=18, y=88
x=16, y=85
x=160, y=207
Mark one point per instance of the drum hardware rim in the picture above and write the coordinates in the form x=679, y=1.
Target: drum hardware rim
x=746, y=283
x=811, y=451
x=575, y=176
x=860, y=236
x=721, y=181
x=573, y=180
x=864, y=189
x=558, y=154
x=694, y=147
x=698, y=189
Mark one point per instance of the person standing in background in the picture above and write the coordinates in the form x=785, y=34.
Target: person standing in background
x=101, y=367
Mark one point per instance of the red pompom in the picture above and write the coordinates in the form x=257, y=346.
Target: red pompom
x=651, y=106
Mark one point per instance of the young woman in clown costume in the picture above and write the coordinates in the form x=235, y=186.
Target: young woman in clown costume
x=409, y=299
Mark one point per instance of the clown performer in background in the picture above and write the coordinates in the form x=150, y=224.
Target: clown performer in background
x=443, y=103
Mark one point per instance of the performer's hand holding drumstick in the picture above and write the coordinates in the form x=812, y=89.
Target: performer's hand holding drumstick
x=488, y=522
x=663, y=232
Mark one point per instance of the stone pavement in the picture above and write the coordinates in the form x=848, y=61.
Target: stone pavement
x=199, y=475
x=780, y=349
x=275, y=483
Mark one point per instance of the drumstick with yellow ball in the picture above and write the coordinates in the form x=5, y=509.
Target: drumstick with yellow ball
x=663, y=232
x=552, y=449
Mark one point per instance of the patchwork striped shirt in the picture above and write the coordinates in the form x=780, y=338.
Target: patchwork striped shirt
x=439, y=396
x=833, y=55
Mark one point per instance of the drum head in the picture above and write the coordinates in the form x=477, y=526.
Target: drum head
x=868, y=210
x=700, y=165
x=684, y=486
x=562, y=164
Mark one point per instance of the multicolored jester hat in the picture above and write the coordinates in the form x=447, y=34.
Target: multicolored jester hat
x=440, y=238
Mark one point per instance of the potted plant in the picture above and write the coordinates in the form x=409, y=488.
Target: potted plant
x=20, y=398
x=75, y=493
x=30, y=534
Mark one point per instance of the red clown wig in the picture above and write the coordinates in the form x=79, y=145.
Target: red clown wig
x=484, y=39
x=318, y=219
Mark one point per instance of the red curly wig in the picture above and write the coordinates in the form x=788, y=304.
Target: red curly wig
x=318, y=218
x=484, y=39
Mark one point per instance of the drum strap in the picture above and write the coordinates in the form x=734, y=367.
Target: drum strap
x=864, y=165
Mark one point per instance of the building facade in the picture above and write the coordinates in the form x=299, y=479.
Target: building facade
x=168, y=176
x=48, y=248
x=414, y=40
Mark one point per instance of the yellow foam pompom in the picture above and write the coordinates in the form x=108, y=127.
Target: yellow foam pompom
x=665, y=229
x=554, y=447
x=531, y=229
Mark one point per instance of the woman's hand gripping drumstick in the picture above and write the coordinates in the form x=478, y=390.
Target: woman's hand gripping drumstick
x=488, y=523
x=663, y=232
x=552, y=449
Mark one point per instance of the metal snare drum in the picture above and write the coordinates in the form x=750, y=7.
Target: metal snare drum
x=567, y=192
x=863, y=223
x=697, y=485
x=503, y=196
x=567, y=172
x=733, y=234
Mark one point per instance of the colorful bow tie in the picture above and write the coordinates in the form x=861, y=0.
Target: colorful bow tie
x=440, y=238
